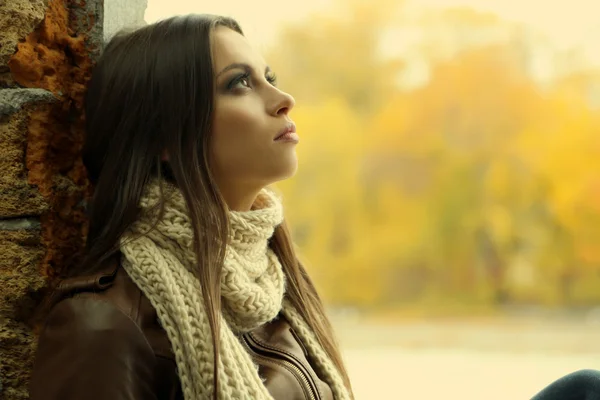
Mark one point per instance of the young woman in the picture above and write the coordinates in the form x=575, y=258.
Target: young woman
x=190, y=287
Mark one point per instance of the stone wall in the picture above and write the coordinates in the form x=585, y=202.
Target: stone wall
x=47, y=50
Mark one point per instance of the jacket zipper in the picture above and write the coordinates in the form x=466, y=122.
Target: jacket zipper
x=287, y=361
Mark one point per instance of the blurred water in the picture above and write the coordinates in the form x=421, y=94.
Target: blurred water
x=453, y=360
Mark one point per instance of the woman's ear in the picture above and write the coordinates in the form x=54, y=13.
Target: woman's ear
x=164, y=155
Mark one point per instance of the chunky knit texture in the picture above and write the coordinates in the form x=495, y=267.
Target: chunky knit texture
x=161, y=263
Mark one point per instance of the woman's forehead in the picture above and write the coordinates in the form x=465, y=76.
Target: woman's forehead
x=229, y=47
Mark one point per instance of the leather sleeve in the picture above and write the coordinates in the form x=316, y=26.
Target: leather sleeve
x=91, y=350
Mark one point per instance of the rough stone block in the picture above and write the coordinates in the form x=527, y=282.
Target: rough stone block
x=20, y=224
x=57, y=56
x=17, y=196
x=6, y=80
x=48, y=46
x=21, y=282
x=17, y=352
x=12, y=100
x=20, y=254
x=18, y=18
x=87, y=19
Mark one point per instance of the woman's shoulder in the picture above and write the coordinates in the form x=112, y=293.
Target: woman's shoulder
x=90, y=337
x=97, y=300
x=108, y=300
x=104, y=299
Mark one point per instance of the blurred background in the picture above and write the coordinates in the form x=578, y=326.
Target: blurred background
x=447, y=202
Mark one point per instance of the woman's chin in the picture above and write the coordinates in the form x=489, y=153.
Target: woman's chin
x=287, y=170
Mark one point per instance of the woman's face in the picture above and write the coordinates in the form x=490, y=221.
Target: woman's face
x=249, y=113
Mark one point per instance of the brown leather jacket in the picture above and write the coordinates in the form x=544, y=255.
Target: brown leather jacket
x=102, y=341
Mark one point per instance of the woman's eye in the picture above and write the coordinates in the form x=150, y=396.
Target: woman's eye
x=272, y=79
x=244, y=81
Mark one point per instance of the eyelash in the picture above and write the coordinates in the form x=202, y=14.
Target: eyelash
x=271, y=78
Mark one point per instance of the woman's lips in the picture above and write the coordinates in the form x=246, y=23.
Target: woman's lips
x=285, y=132
x=288, y=137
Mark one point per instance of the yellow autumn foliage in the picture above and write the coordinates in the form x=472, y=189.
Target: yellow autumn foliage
x=482, y=185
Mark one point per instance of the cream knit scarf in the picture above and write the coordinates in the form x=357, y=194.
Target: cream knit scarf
x=161, y=263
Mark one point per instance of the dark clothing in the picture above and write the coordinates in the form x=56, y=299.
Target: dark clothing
x=579, y=385
x=103, y=341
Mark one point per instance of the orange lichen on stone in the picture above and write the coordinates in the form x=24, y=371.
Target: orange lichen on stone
x=40, y=61
x=46, y=135
x=56, y=168
x=55, y=58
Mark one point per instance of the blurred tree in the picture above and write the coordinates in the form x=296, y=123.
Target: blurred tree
x=325, y=202
x=454, y=136
x=480, y=186
x=338, y=56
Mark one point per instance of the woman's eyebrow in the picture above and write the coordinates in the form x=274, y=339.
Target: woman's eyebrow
x=243, y=66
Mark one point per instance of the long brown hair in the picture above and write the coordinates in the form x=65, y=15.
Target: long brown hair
x=151, y=90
